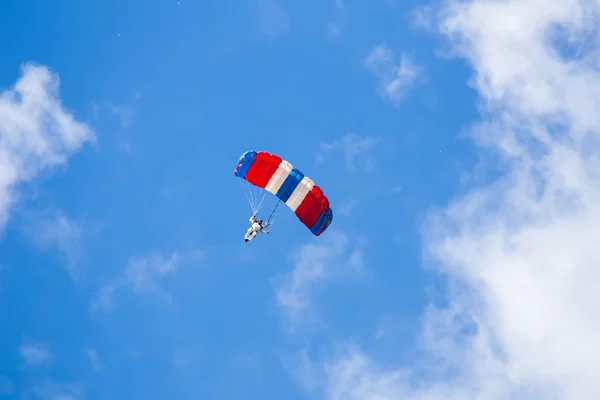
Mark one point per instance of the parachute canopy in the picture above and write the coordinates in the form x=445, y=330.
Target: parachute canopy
x=280, y=178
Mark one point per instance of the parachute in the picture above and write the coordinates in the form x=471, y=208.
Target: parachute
x=272, y=174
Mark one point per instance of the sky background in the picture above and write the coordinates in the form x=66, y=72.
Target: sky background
x=457, y=143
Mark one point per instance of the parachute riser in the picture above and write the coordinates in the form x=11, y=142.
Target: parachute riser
x=273, y=212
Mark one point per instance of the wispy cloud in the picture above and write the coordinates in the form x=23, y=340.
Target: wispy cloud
x=124, y=112
x=35, y=354
x=56, y=230
x=36, y=131
x=103, y=298
x=520, y=253
x=346, y=208
x=396, y=78
x=305, y=370
x=94, y=359
x=334, y=29
x=142, y=275
x=54, y=390
x=352, y=147
x=274, y=19
x=328, y=259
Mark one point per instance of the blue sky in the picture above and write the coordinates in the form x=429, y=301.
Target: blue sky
x=123, y=273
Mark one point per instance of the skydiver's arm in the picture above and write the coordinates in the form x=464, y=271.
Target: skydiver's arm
x=263, y=231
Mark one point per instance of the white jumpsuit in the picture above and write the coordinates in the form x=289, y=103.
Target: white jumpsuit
x=253, y=230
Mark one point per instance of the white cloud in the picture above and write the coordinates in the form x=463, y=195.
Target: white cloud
x=346, y=208
x=334, y=29
x=142, y=275
x=274, y=19
x=520, y=253
x=123, y=112
x=331, y=257
x=36, y=132
x=353, y=147
x=395, y=78
x=54, y=390
x=304, y=370
x=35, y=354
x=94, y=359
x=57, y=231
x=102, y=300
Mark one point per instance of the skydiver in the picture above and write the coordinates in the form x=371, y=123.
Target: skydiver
x=257, y=226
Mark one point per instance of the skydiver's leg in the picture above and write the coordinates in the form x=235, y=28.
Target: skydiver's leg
x=250, y=237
